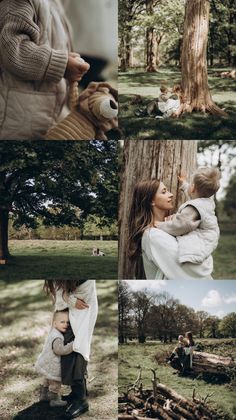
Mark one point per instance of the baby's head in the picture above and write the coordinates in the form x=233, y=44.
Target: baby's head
x=180, y=338
x=61, y=320
x=205, y=182
x=164, y=89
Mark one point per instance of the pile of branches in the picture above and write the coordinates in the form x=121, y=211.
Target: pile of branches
x=161, y=402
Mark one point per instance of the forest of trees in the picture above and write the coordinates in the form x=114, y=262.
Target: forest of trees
x=159, y=316
x=187, y=34
x=152, y=32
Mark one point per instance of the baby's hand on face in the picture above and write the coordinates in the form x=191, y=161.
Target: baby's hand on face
x=182, y=177
x=76, y=68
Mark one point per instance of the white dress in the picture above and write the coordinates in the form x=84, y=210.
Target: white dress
x=160, y=259
x=82, y=320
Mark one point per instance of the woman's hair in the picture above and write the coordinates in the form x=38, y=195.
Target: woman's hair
x=141, y=215
x=67, y=286
x=189, y=336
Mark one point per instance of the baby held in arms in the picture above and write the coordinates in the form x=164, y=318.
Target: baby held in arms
x=195, y=224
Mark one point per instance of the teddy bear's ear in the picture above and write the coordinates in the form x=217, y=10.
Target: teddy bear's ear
x=103, y=89
x=92, y=87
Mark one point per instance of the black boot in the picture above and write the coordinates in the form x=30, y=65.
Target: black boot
x=79, y=404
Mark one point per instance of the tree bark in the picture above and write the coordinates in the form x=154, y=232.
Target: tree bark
x=4, y=220
x=151, y=40
x=148, y=159
x=196, y=95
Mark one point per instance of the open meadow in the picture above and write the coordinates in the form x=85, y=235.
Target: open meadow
x=221, y=397
x=187, y=127
x=25, y=318
x=50, y=259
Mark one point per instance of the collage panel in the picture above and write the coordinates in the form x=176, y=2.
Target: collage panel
x=177, y=349
x=176, y=210
x=58, y=78
x=177, y=69
x=38, y=383
x=58, y=210
x=117, y=253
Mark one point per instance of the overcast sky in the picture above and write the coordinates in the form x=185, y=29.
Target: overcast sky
x=218, y=297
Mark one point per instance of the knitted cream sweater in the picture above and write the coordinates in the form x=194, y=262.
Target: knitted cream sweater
x=20, y=52
x=34, y=47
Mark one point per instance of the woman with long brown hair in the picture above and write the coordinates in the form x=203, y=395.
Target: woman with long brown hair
x=79, y=296
x=151, y=204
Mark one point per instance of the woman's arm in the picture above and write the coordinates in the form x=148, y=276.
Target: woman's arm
x=162, y=249
x=21, y=53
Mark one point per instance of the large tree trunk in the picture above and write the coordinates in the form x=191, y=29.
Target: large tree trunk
x=4, y=220
x=151, y=40
x=143, y=160
x=195, y=91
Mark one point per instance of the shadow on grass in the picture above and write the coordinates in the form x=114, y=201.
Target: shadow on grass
x=59, y=267
x=39, y=411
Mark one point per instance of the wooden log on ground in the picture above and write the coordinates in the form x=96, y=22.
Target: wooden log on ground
x=212, y=363
x=173, y=395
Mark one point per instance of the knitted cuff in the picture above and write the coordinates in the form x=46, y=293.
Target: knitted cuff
x=57, y=66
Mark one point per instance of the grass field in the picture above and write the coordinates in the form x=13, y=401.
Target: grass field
x=193, y=126
x=45, y=259
x=224, y=257
x=133, y=356
x=41, y=259
x=24, y=320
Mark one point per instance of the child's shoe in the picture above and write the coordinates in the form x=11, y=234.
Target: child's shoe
x=43, y=393
x=55, y=400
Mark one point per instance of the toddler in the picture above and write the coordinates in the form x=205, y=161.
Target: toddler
x=49, y=361
x=35, y=61
x=195, y=224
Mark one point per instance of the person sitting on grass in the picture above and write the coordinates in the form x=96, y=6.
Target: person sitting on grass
x=170, y=106
x=188, y=352
x=195, y=224
x=49, y=361
x=176, y=357
x=157, y=105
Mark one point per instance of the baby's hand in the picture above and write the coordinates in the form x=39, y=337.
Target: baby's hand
x=182, y=177
x=168, y=218
x=76, y=68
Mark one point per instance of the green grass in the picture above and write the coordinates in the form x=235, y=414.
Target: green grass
x=224, y=257
x=25, y=319
x=193, y=126
x=46, y=259
x=135, y=355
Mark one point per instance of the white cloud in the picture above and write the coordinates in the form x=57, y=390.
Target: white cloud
x=230, y=299
x=146, y=284
x=220, y=313
x=212, y=299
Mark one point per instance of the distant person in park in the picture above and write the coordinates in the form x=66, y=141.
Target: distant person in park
x=168, y=256
x=177, y=355
x=188, y=352
x=165, y=105
x=79, y=297
x=97, y=253
x=182, y=356
x=49, y=361
x=36, y=64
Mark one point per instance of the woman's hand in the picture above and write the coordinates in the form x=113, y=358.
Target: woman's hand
x=81, y=304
